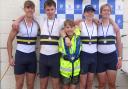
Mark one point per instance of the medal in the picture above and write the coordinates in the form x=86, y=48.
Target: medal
x=105, y=41
x=72, y=58
x=49, y=38
x=29, y=42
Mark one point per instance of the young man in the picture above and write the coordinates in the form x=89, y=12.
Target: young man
x=49, y=57
x=25, y=64
x=109, y=44
x=88, y=55
x=70, y=61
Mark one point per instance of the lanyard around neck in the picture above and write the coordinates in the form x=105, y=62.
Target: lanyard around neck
x=29, y=34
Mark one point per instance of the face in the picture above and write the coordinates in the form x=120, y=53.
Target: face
x=89, y=15
x=106, y=12
x=29, y=11
x=69, y=30
x=50, y=11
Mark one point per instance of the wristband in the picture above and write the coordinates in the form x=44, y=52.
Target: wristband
x=119, y=58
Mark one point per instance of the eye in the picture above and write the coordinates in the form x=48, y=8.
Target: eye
x=47, y=9
x=52, y=9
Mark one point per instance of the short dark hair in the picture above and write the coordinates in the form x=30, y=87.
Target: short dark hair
x=29, y=3
x=69, y=22
x=49, y=3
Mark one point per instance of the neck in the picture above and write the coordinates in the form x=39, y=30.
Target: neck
x=28, y=19
x=51, y=18
x=105, y=21
x=89, y=21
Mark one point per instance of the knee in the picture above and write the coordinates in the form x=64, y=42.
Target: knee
x=56, y=87
x=112, y=84
x=89, y=83
x=82, y=85
x=102, y=84
x=30, y=85
x=19, y=85
x=43, y=86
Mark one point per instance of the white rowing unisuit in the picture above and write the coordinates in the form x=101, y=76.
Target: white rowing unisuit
x=49, y=49
x=84, y=32
x=106, y=48
x=32, y=32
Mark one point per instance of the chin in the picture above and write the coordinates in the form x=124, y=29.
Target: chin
x=29, y=15
x=70, y=34
x=106, y=17
x=90, y=18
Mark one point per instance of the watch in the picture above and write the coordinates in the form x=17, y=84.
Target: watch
x=119, y=58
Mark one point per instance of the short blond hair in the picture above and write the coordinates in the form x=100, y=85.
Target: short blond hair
x=69, y=22
x=29, y=3
x=105, y=5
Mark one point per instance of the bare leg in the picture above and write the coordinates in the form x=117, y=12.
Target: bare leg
x=102, y=78
x=30, y=78
x=19, y=81
x=43, y=83
x=83, y=78
x=72, y=86
x=55, y=83
x=111, y=74
x=66, y=87
x=90, y=78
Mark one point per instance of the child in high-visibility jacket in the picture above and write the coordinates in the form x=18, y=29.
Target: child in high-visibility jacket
x=69, y=60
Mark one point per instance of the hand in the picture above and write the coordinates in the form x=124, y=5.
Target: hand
x=119, y=64
x=62, y=33
x=68, y=42
x=96, y=21
x=15, y=25
x=11, y=62
x=77, y=22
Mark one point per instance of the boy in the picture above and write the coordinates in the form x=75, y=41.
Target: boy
x=69, y=61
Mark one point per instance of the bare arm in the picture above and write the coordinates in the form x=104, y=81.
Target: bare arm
x=15, y=24
x=119, y=44
x=118, y=37
x=96, y=21
x=115, y=26
x=11, y=37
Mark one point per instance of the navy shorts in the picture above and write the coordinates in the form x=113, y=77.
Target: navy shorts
x=106, y=61
x=88, y=62
x=49, y=65
x=25, y=62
